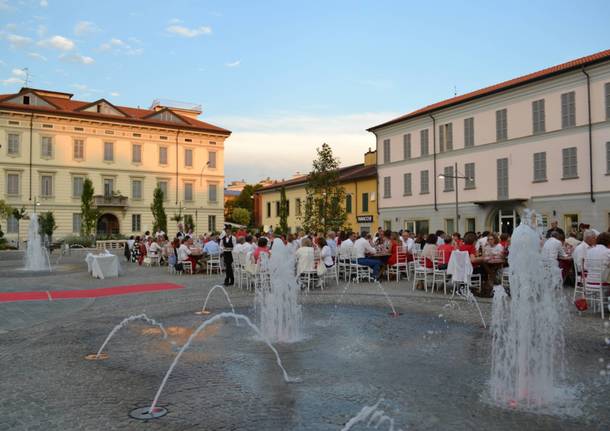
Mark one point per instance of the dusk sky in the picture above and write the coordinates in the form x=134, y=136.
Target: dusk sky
x=287, y=76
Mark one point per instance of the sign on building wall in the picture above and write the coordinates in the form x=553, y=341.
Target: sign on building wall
x=364, y=219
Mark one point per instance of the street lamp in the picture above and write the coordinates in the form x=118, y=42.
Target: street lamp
x=36, y=203
x=457, y=176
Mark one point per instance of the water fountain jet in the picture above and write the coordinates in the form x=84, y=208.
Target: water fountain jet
x=36, y=255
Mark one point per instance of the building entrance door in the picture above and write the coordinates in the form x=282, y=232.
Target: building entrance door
x=506, y=221
x=108, y=225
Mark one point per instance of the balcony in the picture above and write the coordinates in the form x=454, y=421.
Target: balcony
x=116, y=201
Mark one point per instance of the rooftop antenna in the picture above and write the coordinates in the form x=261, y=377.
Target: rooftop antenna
x=454, y=90
x=27, y=76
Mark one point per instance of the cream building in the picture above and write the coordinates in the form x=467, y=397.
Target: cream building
x=50, y=143
x=540, y=141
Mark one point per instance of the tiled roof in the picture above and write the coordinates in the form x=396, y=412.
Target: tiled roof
x=502, y=86
x=346, y=174
x=69, y=107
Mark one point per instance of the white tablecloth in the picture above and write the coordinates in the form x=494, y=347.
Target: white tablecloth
x=102, y=266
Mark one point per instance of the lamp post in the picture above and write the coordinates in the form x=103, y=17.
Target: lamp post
x=36, y=203
x=456, y=177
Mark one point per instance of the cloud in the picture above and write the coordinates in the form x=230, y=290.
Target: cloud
x=85, y=27
x=255, y=138
x=188, y=32
x=37, y=56
x=234, y=64
x=17, y=41
x=175, y=21
x=76, y=58
x=120, y=46
x=58, y=42
x=115, y=93
x=17, y=77
x=44, y=3
x=4, y=5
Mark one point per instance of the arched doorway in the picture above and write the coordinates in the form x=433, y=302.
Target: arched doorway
x=108, y=224
x=503, y=220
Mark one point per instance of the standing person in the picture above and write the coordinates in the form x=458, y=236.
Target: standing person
x=228, y=242
x=554, y=228
x=332, y=243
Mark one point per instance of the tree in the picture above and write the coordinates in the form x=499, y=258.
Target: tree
x=283, y=211
x=189, y=224
x=158, y=211
x=245, y=200
x=18, y=215
x=241, y=216
x=5, y=212
x=47, y=225
x=324, y=195
x=89, y=213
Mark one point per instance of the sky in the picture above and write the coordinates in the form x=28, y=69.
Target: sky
x=287, y=76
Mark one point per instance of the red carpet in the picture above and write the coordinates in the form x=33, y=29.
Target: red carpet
x=86, y=293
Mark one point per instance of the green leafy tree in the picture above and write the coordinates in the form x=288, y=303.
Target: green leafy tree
x=5, y=211
x=89, y=213
x=324, y=195
x=283, y=211
x=189, y=224
x=245, y=200
x=47, y=225
x=241, y=216
x=158, y=211
x=18, y=215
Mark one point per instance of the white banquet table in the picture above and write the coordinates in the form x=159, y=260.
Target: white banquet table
x=102, y=265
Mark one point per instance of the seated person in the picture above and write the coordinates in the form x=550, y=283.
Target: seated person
x=184, y=254
x=429, y=250
x=211, y=247
x=261, y=249
x=362, y=248
x=553, y=247
x=326, y=253
x=446, y=248
x=470, y=238
x=394, y=244
x=492, y=249
x=305, y=257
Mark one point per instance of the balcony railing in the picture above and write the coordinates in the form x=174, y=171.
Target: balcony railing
x=110, y=201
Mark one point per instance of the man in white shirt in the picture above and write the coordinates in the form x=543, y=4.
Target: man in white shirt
x=348, y=243
x=362, y=247
x=407, y=241
x=482, y=241
x=331, y=242
x=440, y=238
x=601, y=253
x=553, y=247
x=588, y=241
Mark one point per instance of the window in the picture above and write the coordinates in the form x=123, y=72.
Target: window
x=163, y=155
x=76, y=222
x=79, y=149
x=348, y=203
x=539, y=166
x=212, y=159
x=297, y=206
x=423, y=142
x=136, y=153
x=46, y=186
x=277, y=208
x=406, y=146
x=387, y=187
x=108, y=151
x=538, y=116
x=188, y=157
x=12, y=224
x=422, y=226
x=136, y=189
x=471, y=225
x=406, y=184
x=77, y=186
x=287, y=207
x=424, y=185
x=386, y=151
x=136, y=222
x=212, y=223
x=26, y=100
x=108, y=187
x=46, y=147
x=268, y=209
x=449, y=180
x=212, y=195
x=188, y=192
x=13, y=144
x=449, y=226
x=568, y=110
x=387, y=225
x=163, y=186
x=445, y=137
x=502, y=178
x=501, y=125
x=468, y=132
x=469, y=173
x=365, y=202
x=608, y=157
x=607, y=88
x=12, y=184
x=569, y=162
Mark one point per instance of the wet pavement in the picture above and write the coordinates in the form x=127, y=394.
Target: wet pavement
x=430, y=365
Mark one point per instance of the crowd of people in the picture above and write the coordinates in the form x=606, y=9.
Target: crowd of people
x=320, y=251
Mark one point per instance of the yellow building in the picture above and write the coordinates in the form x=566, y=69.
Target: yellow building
x=360, y=185
x=50, y=143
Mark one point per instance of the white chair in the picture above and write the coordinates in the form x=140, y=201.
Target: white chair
x=438, y=273
x=401, y=266
x=595, y=283
x=359, y=272
x=460, y=269
x=213, y=265
x=579, y=287
x=343, y=263
x=422, y=272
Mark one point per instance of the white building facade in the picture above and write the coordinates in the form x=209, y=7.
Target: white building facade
x=540, y=141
